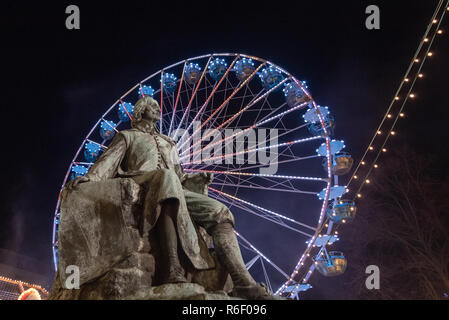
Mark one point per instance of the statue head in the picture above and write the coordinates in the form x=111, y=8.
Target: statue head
x=146, y=108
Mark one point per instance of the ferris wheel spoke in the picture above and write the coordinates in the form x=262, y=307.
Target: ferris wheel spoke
x=162, y=99
x=263, y=209
x=258, y=124
x=230, y=168
x=249, y=182
x=83, y=163
x=260, y=175
x=265, y=182
x=101, y=145
x=267, y=279
x=282, y=153
x=110, y=125
x=253, y=102
x=253, y=98
x=288, y=144
x=263, y=188
x=279, y=162
x=286, y=132
x=225, y=123
x=262, y=255
x=177, y=98
x=197, y=85
x=250, y=263
x=169, y=105
x=223, y=111
x=242, y=204
x=272, y=219
x=222, y=105
x=126, y=111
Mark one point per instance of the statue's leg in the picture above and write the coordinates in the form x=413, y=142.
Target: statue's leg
x=228, y=252
x=218, y=221
x=168, y=240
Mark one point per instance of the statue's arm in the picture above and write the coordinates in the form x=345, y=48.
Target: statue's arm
x=197, y=178
x=107, y=165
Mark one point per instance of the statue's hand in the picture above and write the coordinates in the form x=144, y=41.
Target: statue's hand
x=208, y=177
x=72, y=184
x=203, y=177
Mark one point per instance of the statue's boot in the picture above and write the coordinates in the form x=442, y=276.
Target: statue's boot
x=228, y=252
x=174, y=272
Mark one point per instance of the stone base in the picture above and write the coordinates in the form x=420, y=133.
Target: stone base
x=118, y=283
x=179, y=291
x=102, y=232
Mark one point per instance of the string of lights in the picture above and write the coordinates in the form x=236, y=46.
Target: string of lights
x=386, y=129
x=412, y=75
x=23, y=284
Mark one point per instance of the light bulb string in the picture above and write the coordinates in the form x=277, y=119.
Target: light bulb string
x=309, y=271
x=400, y=110
x=421, y=43
x=405, y=99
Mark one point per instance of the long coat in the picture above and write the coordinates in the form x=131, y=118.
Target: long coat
x=139, y=153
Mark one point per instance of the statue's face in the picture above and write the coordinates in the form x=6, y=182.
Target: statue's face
x=152, y=112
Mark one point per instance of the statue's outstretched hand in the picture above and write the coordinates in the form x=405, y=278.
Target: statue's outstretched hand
x=72, y=184
x=202, y=177
x=208, y=177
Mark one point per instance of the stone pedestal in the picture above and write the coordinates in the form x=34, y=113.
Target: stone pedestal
x=180, y=291
x=101, y=232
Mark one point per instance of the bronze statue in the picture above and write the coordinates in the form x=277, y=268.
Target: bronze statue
x=152, y=161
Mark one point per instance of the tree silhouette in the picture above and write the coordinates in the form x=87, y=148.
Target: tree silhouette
x=402, y=226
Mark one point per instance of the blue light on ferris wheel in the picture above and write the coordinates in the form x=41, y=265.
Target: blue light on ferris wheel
x=341, y=211
x=316, y=129
x=107, y=131
x=78, y=171
x=243, y=68
x=91, y=151
x=169, y=82
x=335, y=147
x=217, y=68
x=331, y=264
x=192, y=73
x=334, y=193
x=145, y=91
x=125, y=110
x=311, y=115
x=294, y=94
x=271, y=77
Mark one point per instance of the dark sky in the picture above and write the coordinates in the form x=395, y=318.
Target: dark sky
x=56, y=82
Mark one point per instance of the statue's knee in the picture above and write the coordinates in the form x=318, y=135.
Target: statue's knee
x=225, y=215
x=223, y=227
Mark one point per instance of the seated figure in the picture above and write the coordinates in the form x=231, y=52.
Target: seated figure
x=152, y=161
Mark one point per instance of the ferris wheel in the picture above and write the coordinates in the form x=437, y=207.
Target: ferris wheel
x=271, y=148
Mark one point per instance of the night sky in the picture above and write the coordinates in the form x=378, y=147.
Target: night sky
x=56, y=83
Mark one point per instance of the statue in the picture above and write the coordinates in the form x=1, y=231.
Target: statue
x=152, y=161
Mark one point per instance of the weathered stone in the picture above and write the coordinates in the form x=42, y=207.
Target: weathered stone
x=99, y=232
x=179, y=291
x=120, y=283
x=97, y=227
x=116, y=284
x=142, y=261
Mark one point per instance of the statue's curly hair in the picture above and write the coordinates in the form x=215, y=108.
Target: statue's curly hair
x=140, y=107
